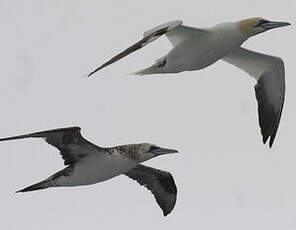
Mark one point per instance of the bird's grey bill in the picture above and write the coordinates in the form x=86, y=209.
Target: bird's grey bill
x=161, y=151
x=272, y=25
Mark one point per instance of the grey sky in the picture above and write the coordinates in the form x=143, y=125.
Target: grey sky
x=226, y=177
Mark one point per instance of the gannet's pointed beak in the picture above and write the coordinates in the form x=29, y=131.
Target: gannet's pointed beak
x=162, y=151
x=271, y=25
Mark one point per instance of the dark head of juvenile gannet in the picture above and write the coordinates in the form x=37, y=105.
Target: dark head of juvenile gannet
x=257, y=25
x=144, y=151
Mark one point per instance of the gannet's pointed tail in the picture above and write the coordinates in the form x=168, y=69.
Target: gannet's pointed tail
x=157, y=67
x=150, y=70
x=40, y=185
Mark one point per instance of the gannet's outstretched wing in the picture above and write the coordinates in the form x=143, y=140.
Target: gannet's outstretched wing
x=160, y=183
x=68, y=140
x=175, y=32
x=269, y=72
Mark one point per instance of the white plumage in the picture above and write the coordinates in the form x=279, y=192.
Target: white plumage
x=198, y=48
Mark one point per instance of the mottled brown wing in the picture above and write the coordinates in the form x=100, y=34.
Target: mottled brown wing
x=160, y=183
x=68, y=140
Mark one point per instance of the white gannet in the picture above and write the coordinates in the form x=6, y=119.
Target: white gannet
x=197, y=48
x=90, y=164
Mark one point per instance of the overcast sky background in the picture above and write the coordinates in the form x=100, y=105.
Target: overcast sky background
x=226, y=177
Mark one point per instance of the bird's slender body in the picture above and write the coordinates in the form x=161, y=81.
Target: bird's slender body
x=198, y=48
x=202, y=50
x=89, y=164
x=96, y=167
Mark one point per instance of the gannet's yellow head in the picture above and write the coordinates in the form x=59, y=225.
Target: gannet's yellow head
x=253, y=26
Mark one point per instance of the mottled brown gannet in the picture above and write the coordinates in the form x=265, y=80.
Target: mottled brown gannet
x=197, y=48
x=89, y=164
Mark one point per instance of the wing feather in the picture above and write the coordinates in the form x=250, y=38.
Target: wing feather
x=270, y=88
x=68, y=141
x=160, y=183
x=149, y=36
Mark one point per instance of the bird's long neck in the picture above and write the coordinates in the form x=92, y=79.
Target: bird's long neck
x=231, y=32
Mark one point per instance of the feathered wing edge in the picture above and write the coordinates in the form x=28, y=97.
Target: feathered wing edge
x=160, y=183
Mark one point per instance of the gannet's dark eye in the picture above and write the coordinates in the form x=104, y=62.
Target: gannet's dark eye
x=153, y=148
x=261, y=22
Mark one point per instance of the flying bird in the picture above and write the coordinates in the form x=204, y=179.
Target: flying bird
x=89, y=164
x=197, y=48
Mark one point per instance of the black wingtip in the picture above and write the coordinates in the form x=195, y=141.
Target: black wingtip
x=271, y=142
x=264, y=139
x=38, y=186
x=90, y=74
x=96, y=70
x=165, y=213
x=27, y=189
x=15, y=137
